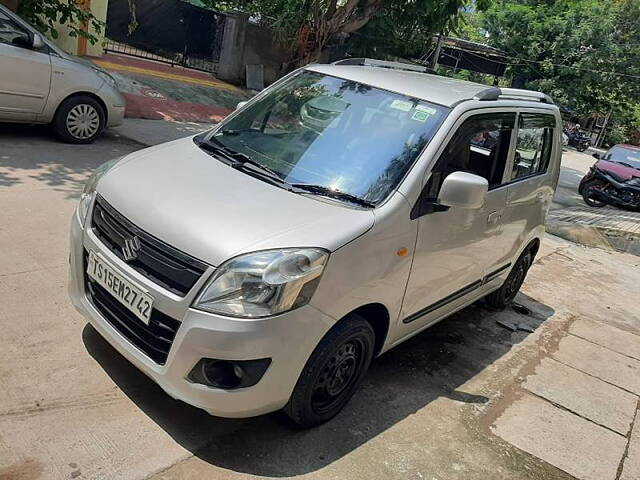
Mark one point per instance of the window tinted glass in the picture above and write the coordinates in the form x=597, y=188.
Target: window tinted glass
x=533, y=145
x=625, y=156
x=480, y=146
x=12, y=33
x=322, y=130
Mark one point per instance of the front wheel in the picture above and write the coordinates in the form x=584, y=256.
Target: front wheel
x=590, y=195
x=79, y=119
x=332, y=373
x=582, y=147
x=502, y=297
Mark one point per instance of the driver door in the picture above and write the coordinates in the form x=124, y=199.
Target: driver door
x=456, y=247
x=26, y=73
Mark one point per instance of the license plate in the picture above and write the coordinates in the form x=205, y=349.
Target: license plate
x=132, y=297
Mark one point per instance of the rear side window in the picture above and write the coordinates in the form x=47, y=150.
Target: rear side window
x=480, y=146
x=533, y=145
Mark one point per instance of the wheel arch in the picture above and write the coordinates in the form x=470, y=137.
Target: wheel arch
x=533, y=246
x=377, y=315
x=86, y=94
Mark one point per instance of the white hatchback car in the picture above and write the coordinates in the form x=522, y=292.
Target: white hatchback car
x=40, y=83
x=265, y=263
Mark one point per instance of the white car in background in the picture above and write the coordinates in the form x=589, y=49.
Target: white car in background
x=39, y=83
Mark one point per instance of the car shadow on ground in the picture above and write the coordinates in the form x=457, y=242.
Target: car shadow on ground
x=62, y=166
x=431, y=365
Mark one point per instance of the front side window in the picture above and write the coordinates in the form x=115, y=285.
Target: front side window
x=480, y=146
x=319, y=130
x=533, y=145
x=11, y=33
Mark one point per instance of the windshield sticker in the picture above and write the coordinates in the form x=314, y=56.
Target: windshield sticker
x=420, y=116
x=424, y=108
x=401, y=105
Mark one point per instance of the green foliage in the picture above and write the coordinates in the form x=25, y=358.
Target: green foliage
x=380, y=27
x=406, y=28
x=45, y=14
x=584, y=53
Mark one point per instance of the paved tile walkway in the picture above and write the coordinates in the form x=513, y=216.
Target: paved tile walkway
x=609, y=218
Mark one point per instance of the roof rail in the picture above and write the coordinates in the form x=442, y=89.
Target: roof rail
x=369, y=62
x=495, y=93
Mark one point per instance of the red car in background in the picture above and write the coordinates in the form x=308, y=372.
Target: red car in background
x=614, y=179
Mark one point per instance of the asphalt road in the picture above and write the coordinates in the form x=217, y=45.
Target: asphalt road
x=451, y=403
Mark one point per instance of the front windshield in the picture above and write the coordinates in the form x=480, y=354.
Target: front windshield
x=625, y=156
x=315, y=129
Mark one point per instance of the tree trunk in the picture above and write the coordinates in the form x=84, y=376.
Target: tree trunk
x=312, y=39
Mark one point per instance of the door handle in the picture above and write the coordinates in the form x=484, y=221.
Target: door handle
x=493, y=218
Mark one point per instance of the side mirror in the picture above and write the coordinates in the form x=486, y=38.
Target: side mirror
x=240, y=105
x=463, y=190
x=37, y=42
x=596, y=156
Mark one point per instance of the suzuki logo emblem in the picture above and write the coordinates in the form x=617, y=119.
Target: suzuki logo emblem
x=131, y=248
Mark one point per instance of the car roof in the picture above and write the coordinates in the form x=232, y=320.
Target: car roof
x=434, y=88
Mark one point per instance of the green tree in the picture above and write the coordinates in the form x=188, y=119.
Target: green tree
x=46, y=14
x=406, y=28
x=379, y=27
x=584, y=53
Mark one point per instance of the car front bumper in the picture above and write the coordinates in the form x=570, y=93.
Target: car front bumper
x=288, y=339
x=115, y=104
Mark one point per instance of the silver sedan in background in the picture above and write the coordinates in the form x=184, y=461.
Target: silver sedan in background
x=40, y=83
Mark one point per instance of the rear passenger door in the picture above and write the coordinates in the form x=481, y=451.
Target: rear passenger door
x=530, y=178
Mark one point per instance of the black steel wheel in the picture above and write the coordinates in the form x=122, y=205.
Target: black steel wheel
x=502, y=297
x=332, y=373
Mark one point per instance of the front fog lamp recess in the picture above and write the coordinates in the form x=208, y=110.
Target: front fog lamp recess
x=228, y=374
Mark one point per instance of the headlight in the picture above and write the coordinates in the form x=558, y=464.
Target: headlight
x=264, y=283
x=90, y=187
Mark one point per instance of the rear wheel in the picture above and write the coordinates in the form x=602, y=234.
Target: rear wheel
x=502, y=297
x=332, y=373
x=590, y=195
x=79, y=119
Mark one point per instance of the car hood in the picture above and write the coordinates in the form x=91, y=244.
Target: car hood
x=200, y=205
x=621, y=171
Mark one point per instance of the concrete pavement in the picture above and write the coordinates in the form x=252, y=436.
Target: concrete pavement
x=467, y=399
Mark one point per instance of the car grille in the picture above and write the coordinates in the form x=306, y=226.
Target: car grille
x=168, y=267
x=154, y=339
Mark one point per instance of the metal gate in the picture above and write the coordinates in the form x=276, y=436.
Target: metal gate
x=168, y=31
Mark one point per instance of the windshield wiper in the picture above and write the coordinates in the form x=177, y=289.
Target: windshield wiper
x=240, y=160
x=328, y=192
x=238, y=131
x=625, y=164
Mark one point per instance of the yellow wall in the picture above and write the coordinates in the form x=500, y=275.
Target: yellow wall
x=70, y=44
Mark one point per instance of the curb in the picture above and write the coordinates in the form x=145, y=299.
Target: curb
x=598, y=237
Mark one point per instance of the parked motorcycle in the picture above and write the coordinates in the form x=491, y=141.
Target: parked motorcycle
x=580, y=141
x=599, y=188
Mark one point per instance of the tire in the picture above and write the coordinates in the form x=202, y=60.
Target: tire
x=333, y=373
x=587, y=192
x=582, y=148
x=79, y=119
x=502, y=297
